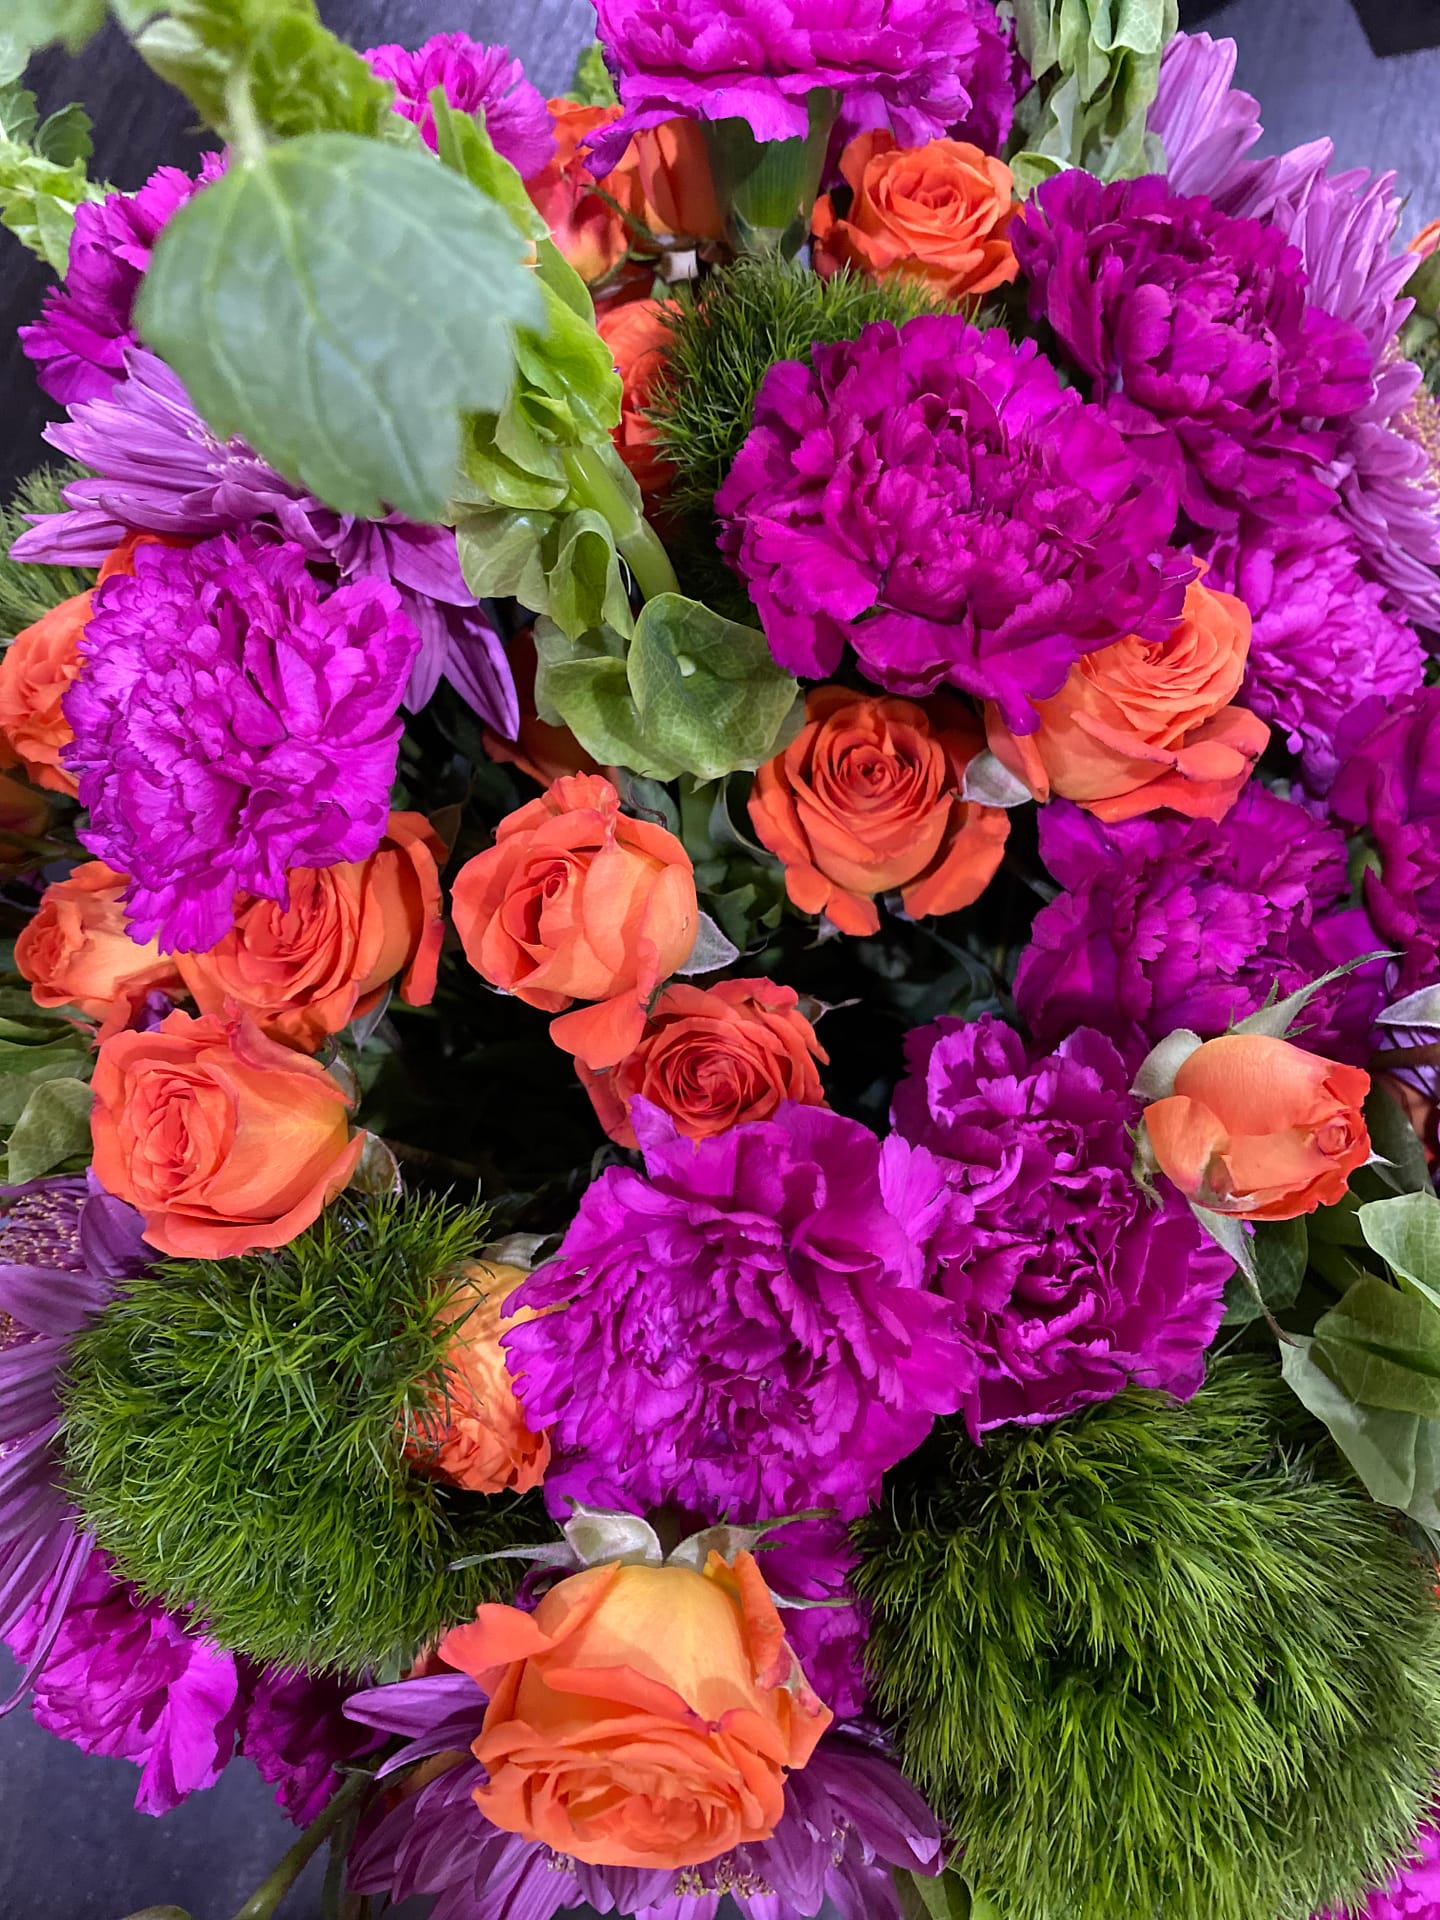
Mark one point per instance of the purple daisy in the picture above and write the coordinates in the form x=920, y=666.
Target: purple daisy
x=1066, y=1282
x=1195, y=330
x=1414, y=1891
x=1169, y=923
x=921, y=67
x=743, y=1328
x=1205, y=124
x=934, y=497
x=233, y=720
x=850, y=1818
x=476, y=78
x=78, y=343
x=155, y=467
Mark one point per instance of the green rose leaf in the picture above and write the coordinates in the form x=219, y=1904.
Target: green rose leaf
x=708, y=691
x=1395, y=1455
x=926, y=1896
x=1383, y=1347
x=338, y=303
x=16, y=1089
x=1405, y=1232
x=1394, y=1139
x=1280, y=1252
x=54, y=1128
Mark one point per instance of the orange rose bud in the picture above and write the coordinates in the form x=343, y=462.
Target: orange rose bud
x=677, y=1750
x=713, y=1057
x=933, y=217
x=576, y=901
x=1426, y=240
x=637, y=334
x=1261, y=1129
x=542, y=752
x=673, y=166
x=590, y=231
x=77, y=953
x=1146, y=724
x=306, y=970
x=222, y=1138
x=477, y=1436
x=867, y=799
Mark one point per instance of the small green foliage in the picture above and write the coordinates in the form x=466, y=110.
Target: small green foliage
x=28, y=592
x=592, y=85
x=42, y=173
x=1157, y=1660
x=45, y=1063
x=1096, y=65
x=744, y=319
x=235, y=1436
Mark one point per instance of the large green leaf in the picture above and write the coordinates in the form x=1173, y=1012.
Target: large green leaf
x=1279, y=1252
x=53, y=1129
x=1405, y=1232
x=1383, y=1347
x=27, y=25
x=1396, y=1455
x=708, y=691
x=338, y=303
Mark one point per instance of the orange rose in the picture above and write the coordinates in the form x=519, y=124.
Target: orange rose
x=677, y=1750
x=679, y=190
x=932, y=216
x=1145, y=724
x=1426, y=240
x=576, y=901
x=223, y=1139
x=477, y=1436
x=868, y=799
x=591, y=232
x=542, y=752
x=307, y=970
x=1259, y=1128
x=637, y=335
x=77, y=953
x=712, y=1057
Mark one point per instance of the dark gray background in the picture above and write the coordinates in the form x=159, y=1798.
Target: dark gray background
x=71, y=1845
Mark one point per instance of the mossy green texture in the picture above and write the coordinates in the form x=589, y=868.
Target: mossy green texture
x=27, y=593
x=1160, y=1661
x=235, y=1436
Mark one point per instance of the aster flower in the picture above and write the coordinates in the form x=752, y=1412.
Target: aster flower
x=1322, y=636
x=155, y=466
x=1170, y=923
x=1194, y=329
x=933, y=496
x=1414, y=1891
x=293, y=1726
x=743, y=1328
x=78, y=343
x=850, y=1816
x=232, y=721
x=1206, y=125
x=1066, y=1283
x=476, y=78
x=922, y=67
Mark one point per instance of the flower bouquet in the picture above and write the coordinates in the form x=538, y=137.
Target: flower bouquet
x=718, y=1064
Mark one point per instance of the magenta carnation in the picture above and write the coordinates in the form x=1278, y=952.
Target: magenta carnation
x=1170, y=923
x=1067, y=1284
x=934, y=497
x=233, y=720
x=921, y=67
x=1322, y=637
x=742, y=1329
x=812, y=1561
x=1414, y=1891
x=476, y=78
x=1195, y=332
x=78, y=343
x=294, y=1728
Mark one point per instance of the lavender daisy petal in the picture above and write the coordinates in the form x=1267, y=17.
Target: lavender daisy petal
x=1205, y=124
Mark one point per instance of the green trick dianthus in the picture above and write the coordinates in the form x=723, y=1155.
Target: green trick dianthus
x=235, y=1437
x=29, y=592
x=1162, y=1662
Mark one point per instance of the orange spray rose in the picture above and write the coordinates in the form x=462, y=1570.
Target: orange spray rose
x=675, y=178
x=641, y=1716
x=76, y=952
x=867, y=799
x=306, y=970
x=576, y=901
x=1426, y=240
x=1261, y=1129
x=223, y=1139
x=712, y=1058
x=637, y=334
x=932, y=216
x=1147, y=724
x=590, y=231
x=478, y=1437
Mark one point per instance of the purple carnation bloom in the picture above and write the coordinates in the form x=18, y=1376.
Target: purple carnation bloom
x=78, y=343
x=157, y=468
x=475, y=78
x=921, y=67
x=935, y=497
x=1414, y=1891
x=295, y=1729
x=812, y=1560
x=233, y=720
x=1169, y=923
x=1195, y=330
x=1389, y=785
x=1322, y=638
x=743, y=1328
x=850, y=1816
x=1067, y=1283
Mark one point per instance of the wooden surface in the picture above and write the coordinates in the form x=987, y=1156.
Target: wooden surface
x=71, y=1846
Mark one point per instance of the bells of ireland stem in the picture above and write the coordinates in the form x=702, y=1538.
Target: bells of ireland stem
x=767, y=188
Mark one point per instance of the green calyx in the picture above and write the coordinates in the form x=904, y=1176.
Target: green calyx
x=235, y=1437
x=1158, y=1659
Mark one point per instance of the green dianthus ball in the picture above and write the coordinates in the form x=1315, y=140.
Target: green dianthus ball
x=1157, y=1662
x=235, y=1437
